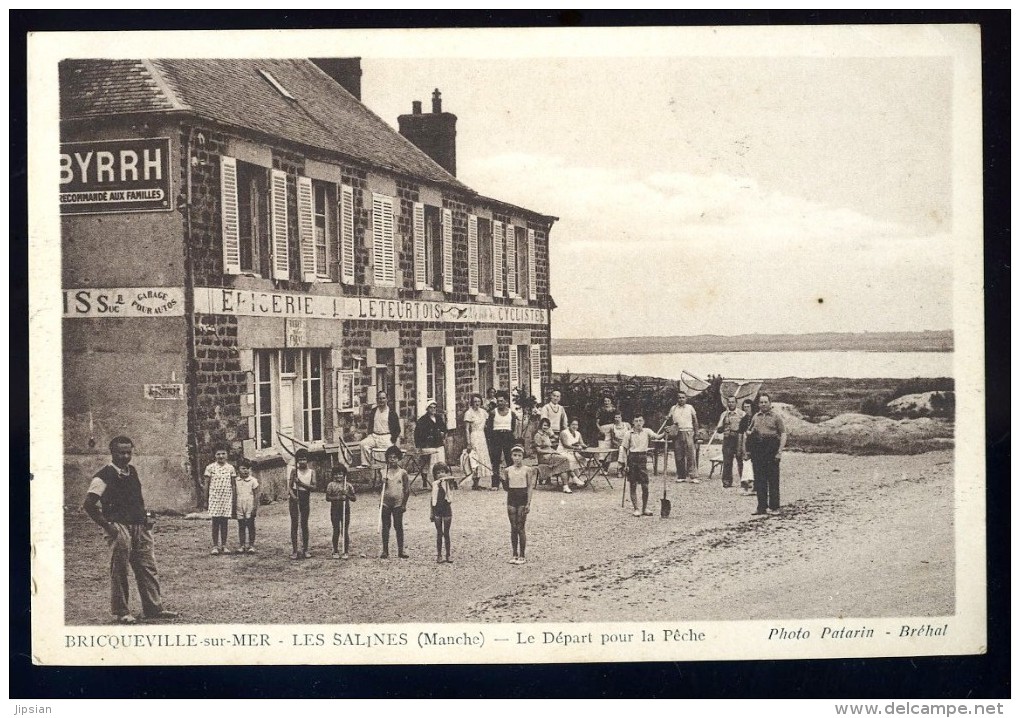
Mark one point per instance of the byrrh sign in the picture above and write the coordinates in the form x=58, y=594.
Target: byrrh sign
x=115, y=176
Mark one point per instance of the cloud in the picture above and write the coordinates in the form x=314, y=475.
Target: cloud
x=666, y=245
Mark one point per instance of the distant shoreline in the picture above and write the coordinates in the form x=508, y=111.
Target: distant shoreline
x=930, y=341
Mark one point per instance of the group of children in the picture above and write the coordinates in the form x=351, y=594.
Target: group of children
x=235, y=494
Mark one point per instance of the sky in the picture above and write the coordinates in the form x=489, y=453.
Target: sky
x=712, y=195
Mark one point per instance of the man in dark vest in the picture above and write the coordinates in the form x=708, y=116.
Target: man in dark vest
x=114, y=501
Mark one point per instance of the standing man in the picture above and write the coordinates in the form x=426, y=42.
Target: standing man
x=384, y=425
x=430, y=436
x=746, y=481
x=114, y=502
x=685, y=423
x=555, y=413
x=729, y=427
x=500, y=430
x=766, y=440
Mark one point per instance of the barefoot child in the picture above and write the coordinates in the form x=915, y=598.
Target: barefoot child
x=220, y=497
x=340, y=494
x=635, y=444
x=300, y=485
x=519, y=483
x=393, y=501
x=441, y=511
x=247, y=505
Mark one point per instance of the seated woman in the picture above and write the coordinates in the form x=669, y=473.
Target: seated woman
x=617, y=432
x=571, y=441
x=548, y=456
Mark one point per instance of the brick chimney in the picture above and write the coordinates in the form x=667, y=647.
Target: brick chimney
x=435, y=133
x=345, y=70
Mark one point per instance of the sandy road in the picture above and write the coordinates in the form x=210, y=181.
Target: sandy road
x=861, y=536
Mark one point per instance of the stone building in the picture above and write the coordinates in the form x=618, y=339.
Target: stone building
x=249, y=254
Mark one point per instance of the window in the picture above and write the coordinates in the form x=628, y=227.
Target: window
x=264, y=432
x=484, y=256
x=311, y=372
x=433, y=247
x=511, y=260
x=323, y=211
x=485, y=373
x=383, y=259
x=289, y=396
x=244, y=193
x=435, y=380
x=524, y=366
x=435, y=375
x=522, y=262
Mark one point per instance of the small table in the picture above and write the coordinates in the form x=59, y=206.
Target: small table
x=593, y=464
x=659, y=446
x=662, y=446
x=416, y=464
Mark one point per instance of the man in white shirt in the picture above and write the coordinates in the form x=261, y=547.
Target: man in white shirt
x=555, y=413
x=384, y=429
x=729, y=428
x=684, y=423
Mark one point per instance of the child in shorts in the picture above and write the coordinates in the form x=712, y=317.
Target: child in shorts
x=340, y=494
x=300, y=485
x=441, y=511
x=519, y=484
x=395, y=491
x=247, y=505
x=636, y=443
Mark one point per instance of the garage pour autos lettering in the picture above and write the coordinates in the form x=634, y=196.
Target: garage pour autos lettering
x=139, y=302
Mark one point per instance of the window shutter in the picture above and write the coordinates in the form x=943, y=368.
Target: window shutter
x=306, y=231
x=497, y=258
x=420, y=388
x=472, y=232
x=447, y=250
x=511, y=260
x=382, y=240
x=420, y=276
x=346, y=234
x=536, y=371
x=515, y=374
x=451, y=386
x=228, y=213
x=281, y=252
x=532, y=282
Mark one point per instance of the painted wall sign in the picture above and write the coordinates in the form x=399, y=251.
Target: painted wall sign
x=124, y=302
x=249, y=303
x=115, y=176
x=296, y=334
x=164, y=392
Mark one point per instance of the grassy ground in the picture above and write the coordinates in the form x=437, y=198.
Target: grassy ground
x=861, y=536
x=827, y=397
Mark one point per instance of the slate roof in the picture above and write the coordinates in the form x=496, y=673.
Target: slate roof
x=233, y=92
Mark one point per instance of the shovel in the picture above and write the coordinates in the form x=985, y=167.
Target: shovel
x=665, y=505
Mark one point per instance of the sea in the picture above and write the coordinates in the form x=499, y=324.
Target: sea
x=764, y=365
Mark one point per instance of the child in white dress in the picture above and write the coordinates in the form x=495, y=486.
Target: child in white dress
x=220, y=488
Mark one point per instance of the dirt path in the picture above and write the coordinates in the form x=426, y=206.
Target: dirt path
x=861, y=536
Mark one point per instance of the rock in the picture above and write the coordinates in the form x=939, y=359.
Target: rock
x=929, y=403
